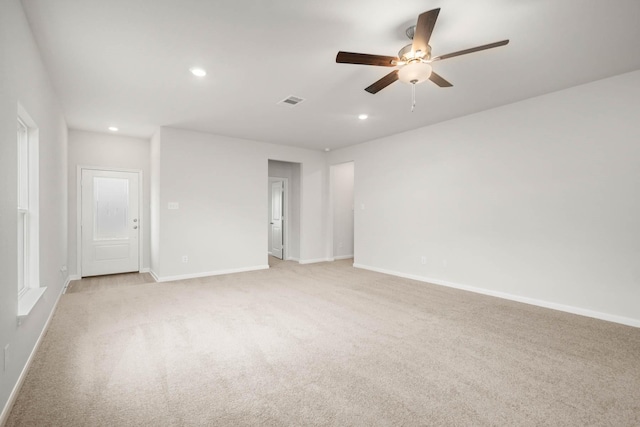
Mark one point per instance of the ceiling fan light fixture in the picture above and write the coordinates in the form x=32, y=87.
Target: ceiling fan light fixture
x=414, y=72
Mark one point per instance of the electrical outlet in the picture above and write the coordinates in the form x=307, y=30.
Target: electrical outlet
x=6, y=357
x=185, y=258
x=423, y=260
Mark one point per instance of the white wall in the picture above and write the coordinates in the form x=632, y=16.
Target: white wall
x=104, y=150
x=536, y=200
x=24, y=80
x=220, y=185
x=291, y=171
x=342, y=178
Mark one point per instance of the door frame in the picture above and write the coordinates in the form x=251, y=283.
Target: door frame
x=141, y=223
x=331, y=219
x=285, y=215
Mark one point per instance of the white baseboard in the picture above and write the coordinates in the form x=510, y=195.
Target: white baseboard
x=145, y=270
x=154, y=275
x=293, y=259
x=526, y=300
x=339, y=257
x=23, y=375
x=313, y=261
x=65, y=286
x=208, y=273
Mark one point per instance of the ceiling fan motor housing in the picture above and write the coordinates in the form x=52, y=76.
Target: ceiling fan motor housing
x=406, y=54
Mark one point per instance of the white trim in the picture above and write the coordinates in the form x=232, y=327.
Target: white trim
x=141, y=223
x=292, y=259
x=330, y=215
x=145, y=270
x=154, y=275
x=29, y=299
x=31, y=290
x=285, y=214
x=209, y=273
x=78, y=220
x=313, y=261
x=67, y=282
x=23, y=375
x=526, y=300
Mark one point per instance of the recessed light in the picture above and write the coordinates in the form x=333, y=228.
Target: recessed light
x=363, y=116
x=327, y=149
x=113, y=129
x=198, y=72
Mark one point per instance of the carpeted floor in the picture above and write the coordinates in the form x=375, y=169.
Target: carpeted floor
x=324, y=344
x=111, y=281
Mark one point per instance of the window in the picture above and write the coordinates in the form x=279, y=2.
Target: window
x=23, y=207
x=29, y=290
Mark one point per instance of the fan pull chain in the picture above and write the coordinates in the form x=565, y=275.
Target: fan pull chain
x=413, y=95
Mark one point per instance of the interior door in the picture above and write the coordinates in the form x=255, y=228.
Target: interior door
x=277, y=189
x=110, y=222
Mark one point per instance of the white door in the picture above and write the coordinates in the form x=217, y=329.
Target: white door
x=277, y=188
x=110, y=222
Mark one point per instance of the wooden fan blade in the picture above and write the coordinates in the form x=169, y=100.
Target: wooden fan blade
x=473, y=49
x=424, y=28
x=365, y=59
x=437, y=79
x=383, y=82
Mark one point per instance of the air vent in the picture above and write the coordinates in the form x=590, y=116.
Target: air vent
x=291, y=101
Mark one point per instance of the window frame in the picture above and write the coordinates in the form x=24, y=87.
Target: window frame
x=23, y=207
x=27, y=227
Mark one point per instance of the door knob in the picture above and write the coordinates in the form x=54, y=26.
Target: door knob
x=135, y=220
x=135, y=227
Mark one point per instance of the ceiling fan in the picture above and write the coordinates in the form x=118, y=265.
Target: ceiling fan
x=414, y=60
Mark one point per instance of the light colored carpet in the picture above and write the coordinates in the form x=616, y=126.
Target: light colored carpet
x=97, y=283
x=324, y=344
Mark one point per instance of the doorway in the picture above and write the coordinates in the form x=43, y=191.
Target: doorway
x=277, y=200
x=342, y=210
x=283, y=216
x=110, y=226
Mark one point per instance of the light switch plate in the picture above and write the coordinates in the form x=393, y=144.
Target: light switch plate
x=174, y=205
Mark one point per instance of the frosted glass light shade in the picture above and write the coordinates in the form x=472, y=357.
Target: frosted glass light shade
x=414, y=72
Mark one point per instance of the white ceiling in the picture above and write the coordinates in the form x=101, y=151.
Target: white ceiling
x=125, y=62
